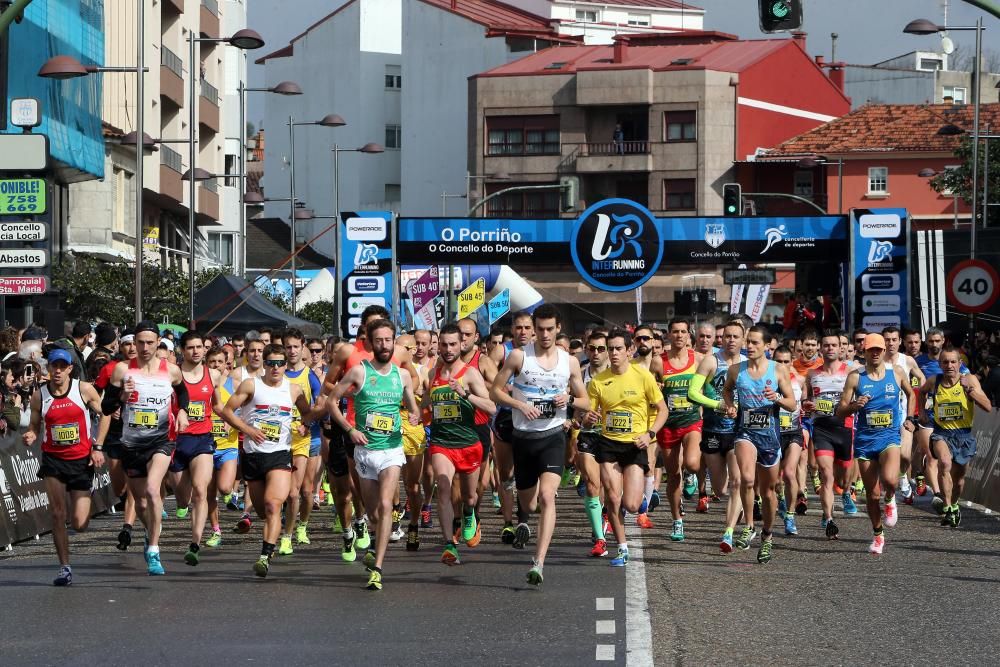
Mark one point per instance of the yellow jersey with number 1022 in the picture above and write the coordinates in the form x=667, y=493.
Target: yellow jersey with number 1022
x=623, y=402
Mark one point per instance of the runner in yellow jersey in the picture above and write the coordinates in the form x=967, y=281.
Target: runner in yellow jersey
x=226, y=453
x=952, y=441
x=414, y=446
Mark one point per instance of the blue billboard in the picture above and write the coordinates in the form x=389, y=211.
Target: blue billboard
x=879, y=272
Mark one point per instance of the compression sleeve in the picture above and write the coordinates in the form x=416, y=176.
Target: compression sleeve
x=696, y=394
x=183, y=399
x=111, y=400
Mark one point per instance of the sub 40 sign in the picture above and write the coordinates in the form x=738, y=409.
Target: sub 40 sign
x=22, y=196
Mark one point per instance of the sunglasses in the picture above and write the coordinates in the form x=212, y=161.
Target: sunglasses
x=643, y=339
x=596, y=348
x=316, y=350
x=275, y=363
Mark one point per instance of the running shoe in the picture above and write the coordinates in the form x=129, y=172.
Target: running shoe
x=316, y=503
x=726, y=543
x=574, y=478
x=469, y=527
x=644, y=507
x=425, y=517
x=474, y=542
x=182, y=512
x=301, y=536
x=859, y=485
x=507, y=533
x=600, y=549
x=64, y=578
x=758, y=514
x=163, y=514
x=535, y=577
x=938, y=504
x=904, y=486
x=782, y=507
x=830, y=528
x=456, y=532
x=337, y=526
x=153, y=564
x=521, y=536
x=397, y=534
x=690, y=486
x=232, y=504
x=364, y=540
x=643, y=521
x=801, y=505
x=877, y=545
x=790, y=527
x=745, y=538
x=605, y=524
x=191, y=557
x=956, y=511
x=654, y=501
x=703, y=504
x=621, y=559
x=715, y=497
x=677, y=532
x=850, y=508
x=261, y=567
x=496, y=498
x=214, y=540
x=921, y=485
x=285, y=546
x=764, y=553
x=681, y=508
x=244, y=524
x=406, y=510
x=891, y=514
x=412, y=538
x=450, y=555
x=374, y=581
x=369, y=559
x=347, y=553
x=908, y=500
x=124, y=539
x=564, y=479
x=816, y=483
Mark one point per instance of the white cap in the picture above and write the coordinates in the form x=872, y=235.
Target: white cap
x=167, y=343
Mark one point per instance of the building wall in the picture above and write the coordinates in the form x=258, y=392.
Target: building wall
x=233, y=70
x=612, y=18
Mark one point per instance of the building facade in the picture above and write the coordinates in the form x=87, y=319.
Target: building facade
x=599, y=22
x=919, y=77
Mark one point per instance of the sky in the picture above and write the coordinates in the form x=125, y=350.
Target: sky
x=869, y=30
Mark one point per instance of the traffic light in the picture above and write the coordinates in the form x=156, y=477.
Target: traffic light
x=732, y=199
x=569, y=192
x=780, y=15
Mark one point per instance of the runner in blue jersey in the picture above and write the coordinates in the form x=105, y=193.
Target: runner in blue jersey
x=754, y=392
x=873, y=394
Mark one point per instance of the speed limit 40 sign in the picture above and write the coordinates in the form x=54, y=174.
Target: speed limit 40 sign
x=972, y=286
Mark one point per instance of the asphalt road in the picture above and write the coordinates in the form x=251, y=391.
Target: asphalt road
x=926, y=599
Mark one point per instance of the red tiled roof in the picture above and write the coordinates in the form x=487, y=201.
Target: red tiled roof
x=692, y=49
x=884, y=128
x=497, y=17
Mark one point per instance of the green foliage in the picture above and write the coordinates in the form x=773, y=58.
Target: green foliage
x=320, y=312
x=958, y=181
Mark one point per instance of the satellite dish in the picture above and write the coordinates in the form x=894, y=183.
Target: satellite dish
x=947, y=46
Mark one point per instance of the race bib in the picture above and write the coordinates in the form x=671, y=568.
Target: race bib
x=785, y=420
x=824, y=406
x=756, y=420
x=196, y=411
x=914, y=382
x=678, y=402
x=143, y=418
x=271, y=430
x=880, y=419
x=618, y=422
x=547, y=408
x=65, y=435
x=948, y=412
x=378, y=422
x=219, y=428
x=447, y=411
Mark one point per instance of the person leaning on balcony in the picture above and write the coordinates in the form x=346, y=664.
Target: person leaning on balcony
x=619, y=139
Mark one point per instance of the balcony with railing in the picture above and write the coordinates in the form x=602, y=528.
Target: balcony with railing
x=171, y=167
x=624, y=155
x=209, y=16
x=208, y=107
x=171, y=77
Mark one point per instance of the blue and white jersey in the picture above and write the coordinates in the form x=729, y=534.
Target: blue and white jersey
x=716, y=422
x=757, y=413
x=882, y=416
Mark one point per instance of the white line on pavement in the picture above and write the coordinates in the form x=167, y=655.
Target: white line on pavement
x=605, y=604
x=638, y=631
x=605, y=652
x=606, y=627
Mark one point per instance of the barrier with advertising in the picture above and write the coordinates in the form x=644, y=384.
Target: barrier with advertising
x=25, y=503
x=367, y=258
x=880, y=277
x=982, y=475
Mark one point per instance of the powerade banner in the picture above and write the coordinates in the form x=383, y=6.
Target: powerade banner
x=366, y=255
x=880, y=278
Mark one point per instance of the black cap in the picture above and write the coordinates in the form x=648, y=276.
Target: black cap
x=81, y=329
x=34, y=333
x=146, y=325
x=105, y=333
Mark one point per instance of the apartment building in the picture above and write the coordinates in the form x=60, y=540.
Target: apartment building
x=599, y=22
x=917, y=77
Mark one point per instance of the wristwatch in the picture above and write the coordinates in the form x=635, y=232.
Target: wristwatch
x=652, y=435
x=97, y=447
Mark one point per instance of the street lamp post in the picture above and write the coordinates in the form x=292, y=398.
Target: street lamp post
x=245, y=39
x=370, y=148
x=330, y=120
x=445, y=196
x=283, y=88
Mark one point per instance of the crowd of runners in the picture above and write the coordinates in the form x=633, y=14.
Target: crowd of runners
x=270, y=426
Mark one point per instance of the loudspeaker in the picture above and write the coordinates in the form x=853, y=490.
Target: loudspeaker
x=707, y=301
x=54, y=321
x=683, y=303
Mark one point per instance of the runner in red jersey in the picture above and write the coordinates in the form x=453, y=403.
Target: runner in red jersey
x=68, y=453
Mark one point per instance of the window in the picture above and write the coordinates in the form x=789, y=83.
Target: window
x=641, y=20
x=232, y=169
x=530, y=204
x=957, y=93
x=393, y=77
x=120, y=198
x=930, y=64
x=678, y=194
x=220, y=245
x=803, y=185
x=522, y=135
x=878, y=180
x=586, y=15
x=681, y=125
x=393, y=192
x=393, y=136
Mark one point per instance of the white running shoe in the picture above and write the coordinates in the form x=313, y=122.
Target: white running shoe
x=891, y=515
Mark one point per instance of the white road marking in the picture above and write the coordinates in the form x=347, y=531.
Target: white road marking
x=606, y=627
x=605, y=604
x=605, y=652
x=638, y=631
